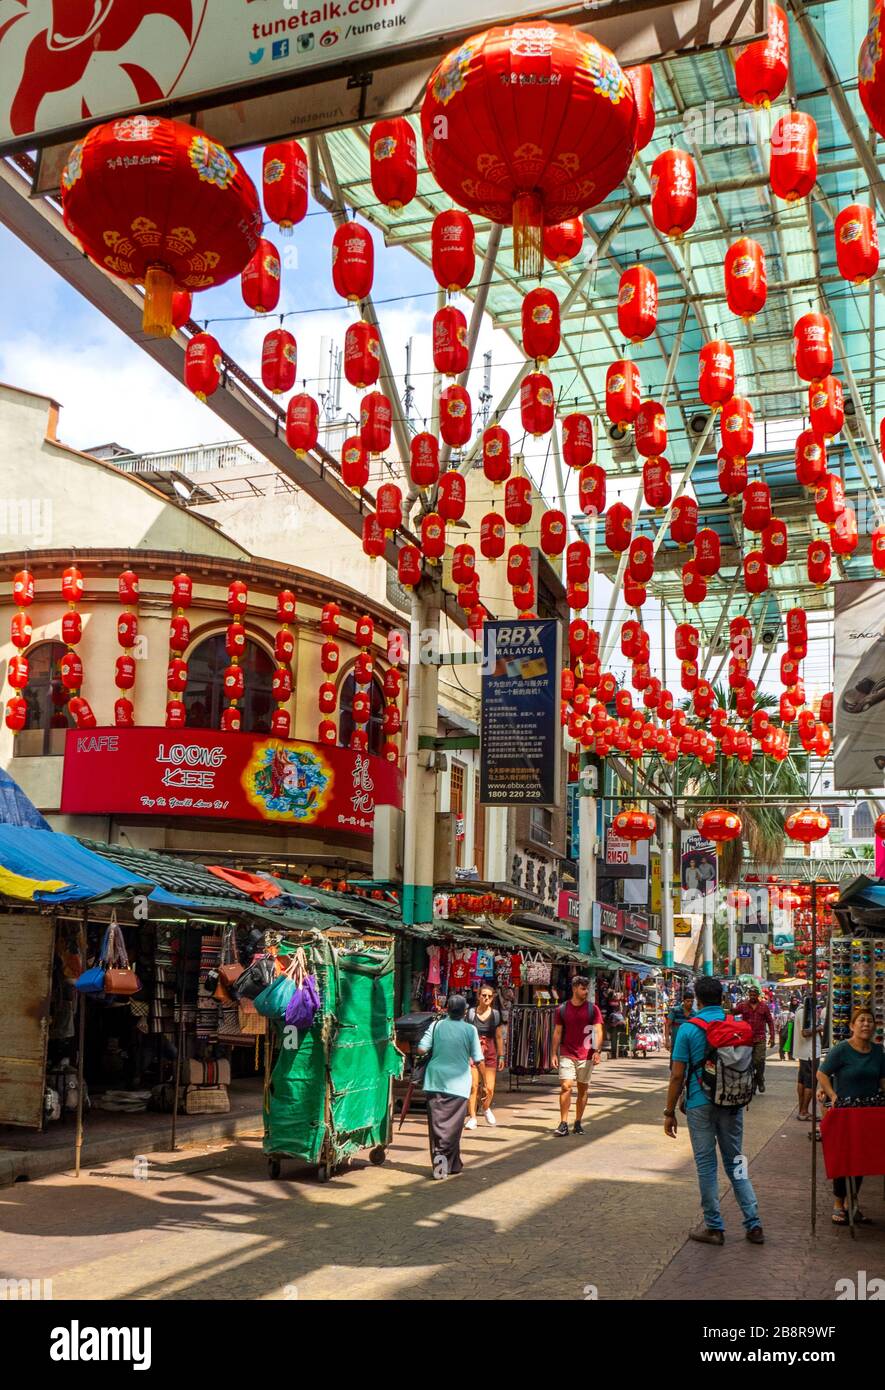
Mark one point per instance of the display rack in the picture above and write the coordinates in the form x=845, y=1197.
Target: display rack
x=857, y=977
x=530, y=1041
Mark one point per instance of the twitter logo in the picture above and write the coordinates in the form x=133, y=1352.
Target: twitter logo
x=257, y=56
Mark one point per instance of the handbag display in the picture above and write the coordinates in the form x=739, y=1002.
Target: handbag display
x=119, y=977
x=229, y=968
x=255, y=978
x=305, y=1002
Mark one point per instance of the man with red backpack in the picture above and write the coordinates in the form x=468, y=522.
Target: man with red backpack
x=713, y=1062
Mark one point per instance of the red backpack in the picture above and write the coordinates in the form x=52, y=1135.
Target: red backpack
x=726, y=1074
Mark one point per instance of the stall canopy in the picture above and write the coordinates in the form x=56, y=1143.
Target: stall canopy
x=16, y=808
x=42, y=866
x=625, y=962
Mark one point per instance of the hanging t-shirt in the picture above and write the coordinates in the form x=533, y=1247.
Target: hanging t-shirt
x=503, y=975
x=485, y=965
x=459, y=969
x=433, y=965
x=516, y=969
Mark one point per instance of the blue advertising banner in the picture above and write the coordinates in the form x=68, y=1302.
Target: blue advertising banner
x=520, y=732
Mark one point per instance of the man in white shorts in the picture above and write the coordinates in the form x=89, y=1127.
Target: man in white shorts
x=577, y=1038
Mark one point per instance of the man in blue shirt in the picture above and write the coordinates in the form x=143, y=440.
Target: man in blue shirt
x=710, y=1125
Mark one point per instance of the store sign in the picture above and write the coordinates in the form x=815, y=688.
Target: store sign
x=607, y=920
x=203, y=772
x=776, y=965
x=634, y=926
x=681, y=926
x=567, y=907
x=62, y=59
x=520, y=732
x=745, y=951
x=536, y=876
x=618, y=854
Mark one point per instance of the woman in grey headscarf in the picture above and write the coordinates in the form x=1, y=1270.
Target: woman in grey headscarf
x=454, y=1047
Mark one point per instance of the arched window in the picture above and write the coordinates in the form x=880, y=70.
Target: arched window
x=204, y=697
x=47, y=702
x=374, y=728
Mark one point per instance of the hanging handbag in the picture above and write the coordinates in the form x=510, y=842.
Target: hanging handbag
x=419, y=1065
x=273, y=1001
x=304, y=1002
x=119, y=977
x=254, y=978
x=229, y=969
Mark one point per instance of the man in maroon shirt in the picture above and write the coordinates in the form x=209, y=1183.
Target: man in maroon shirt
x=758, y=1015
x=577, y=1038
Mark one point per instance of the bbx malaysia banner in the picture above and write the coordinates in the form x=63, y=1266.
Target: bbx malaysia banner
x=520, y=738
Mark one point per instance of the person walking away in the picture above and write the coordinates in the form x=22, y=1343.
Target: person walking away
x=678, y=1015
x=577, y=1039
x=712, y=1124
x=857, y=1067
x=454, y=1048
x=805, y=1025
x=617, y=1028
x=489, y=1024
x=756, y=1012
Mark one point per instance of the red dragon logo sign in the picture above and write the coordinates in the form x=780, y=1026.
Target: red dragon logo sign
x=77, y=58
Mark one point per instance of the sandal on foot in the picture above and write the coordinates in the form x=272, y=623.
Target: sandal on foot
x=840, y=1218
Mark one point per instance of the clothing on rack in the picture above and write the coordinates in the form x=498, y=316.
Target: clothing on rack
x=530, y=1039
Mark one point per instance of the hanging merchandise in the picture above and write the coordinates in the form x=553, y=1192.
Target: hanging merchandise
x=623, y=392
x=716, y=373
x=563, y=241
x=126, y=187
x=284, y=184
x=260, y=280
x=642, y=80
x=577, y=440
x=674, y=192
x=376, y=422
x=857, y=243
x=638, y=303
x=762, y=68
x=746, y=283
x=424, y=460
x=496, y=454
x=536, y=404
x=393, y=165
x=202, y=365
x=540, y=324
x=826, y=407
x=455, y=416
x=353, y=261
x=362, y=355
x=449, y=338
x=302, y=424
x=453, y=258
x=582, y=120
x=279, y=361
x=793, y=167
x=813, y=347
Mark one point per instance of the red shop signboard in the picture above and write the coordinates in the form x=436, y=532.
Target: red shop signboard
x=203, y=772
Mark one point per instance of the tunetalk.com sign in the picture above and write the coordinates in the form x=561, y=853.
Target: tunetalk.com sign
x=203, y=772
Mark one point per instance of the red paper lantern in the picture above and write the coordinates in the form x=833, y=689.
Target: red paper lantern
x=623, y=391
x=684, y=521
x=374, y=539
x=819, y=563
x=638, y=303
x=519, y=563
x=126, y=188
x=354, y=464
x=641, y=560
x=280, y=723
x=755, y=572
x=182, y=308
x=424, y=460
x=176, y=675
x=656, y=485
x=302, y=424
x=577, y=440
x=774, y=542
x=826, y=407
x=393, y=165
x=23, y=589
x=16, y=713
x=563, y=241
x=376, y=422
x=71, y=628
x=455, y=416
x=327, y=697
x=857, y=243
x=642, y=80
x=806, y=826
x=127, y=629
x=843, y=535
x=353, y=261
x=408, y=566
x=492, y=533
x=124, y=713
x=826, y=708
x=452, y=495
x=285, y=605
x=182, y=591
x=389, y=506
x=793, y=168
x=761, y=69
x=733, y=474
x=82, y=713
x=127, y=587
x=829, y=499
x=72, y=584
x=285, y=184
x=813, y=347
x=871, y=71
x=591, y=490
x=176, y=714
x=21, y=630
x=619, y=528
x=707, y=552
x=392, y=720
x=231, y=720
x=281, y=684
x=716, y=372
x=720, y=825
x=554, y=531
x=496, y=454
x=694, y=585
x=330, y=657
x=674, y=192
x=235, y=639
x=736, y=427
x=650, y=429
x=738, y=671
x=518, y=501
x=433, y=536
x=746, y=283
x=124, y=677
x=635, y=593
x=687, y=642
x=449, y=336
x=284, y=645
x=453, y=258
x=540, y=324
x=634, y=825
x=811, y=459
x=536, y=403
x=362, y=354
x=554, y=147
x=577, y=562
x=757, y=506
x=260, y=279
x=464, y=564
x=237, y=597
x=797, y=632
x=233, y=682
x=18, y=671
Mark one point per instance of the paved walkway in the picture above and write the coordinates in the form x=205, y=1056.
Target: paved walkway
x=532, y=1216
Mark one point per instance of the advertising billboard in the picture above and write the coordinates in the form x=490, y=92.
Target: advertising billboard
x=618, y=852
x=520, y=732
x=700, y=872
x=204, y=772
x=859, y=685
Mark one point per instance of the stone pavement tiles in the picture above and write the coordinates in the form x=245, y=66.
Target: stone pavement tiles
x=532, y=1216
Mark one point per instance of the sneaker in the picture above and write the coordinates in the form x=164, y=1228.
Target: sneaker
x=705, y=1236
x=761, y=1088
x=471, y=1122
x=756, y=1236
x=561, y=1130
x=490, y=1117
x=577, y=1127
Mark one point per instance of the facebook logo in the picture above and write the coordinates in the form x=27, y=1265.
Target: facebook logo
x=280, y=48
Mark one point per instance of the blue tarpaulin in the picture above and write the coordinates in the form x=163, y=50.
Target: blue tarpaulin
x=45, y=854
x=16, y=808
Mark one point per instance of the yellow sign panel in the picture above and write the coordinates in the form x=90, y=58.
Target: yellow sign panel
x=681, y=926
x=655, y=891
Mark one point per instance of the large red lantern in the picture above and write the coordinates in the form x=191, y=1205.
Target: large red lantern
x=362, y=354
x=618, y=527
x=376, y=422
x=811, y=459
x=284, y=184
x=284, y=645
x=843, y=534
x=424, y=459
x=492, y=535
x=757, y=506
x=496, y=454
x=694, y=585
x=302, y=424
x=684, y=521
x=577, y=562
x=736, y=427
x=536, y=403
x=707, y=552
x=23, y=589
x=279, y=361
x=819, y=563
x=716, y=372
x=540, y=324
x=433, y=536
x=871, y=70
x=452, y=495
x=746, y=283
x=354, y=464
x=389, y=506
x=642, y=80
x=353, y=261
x=806, y=826
x=762, y=68
x=641, y=559
x=813, y=347
x=554, y=531
x=202, y=365
x=634, y=825
x=374, y=539
x=127, y=629
x=857, y=243
x=182, y=590
x=674, y=192
x=393, y=166
x=453, y=258
x=793, y=168
x=733, y=474
x=455, y=416
x=260, y=279
x=156, y=201
x=638, y=303
x=656, y=485
x=623, y=392
x=775, y=542
x=408, y=566
x=179, y=633
x=755, y=572
x=518, y=501
x=591, y=490
x=687, y=642
x=563, y=241
x=449, y=336
x=826, y=407
x=720, y=825
x=464, y=564
x=829, y=499
x=577, y=440
x=71, y=628
x=559, y=142
x=650, y=429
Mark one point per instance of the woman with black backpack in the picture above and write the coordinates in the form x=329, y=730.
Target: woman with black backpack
x=489, y=1024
